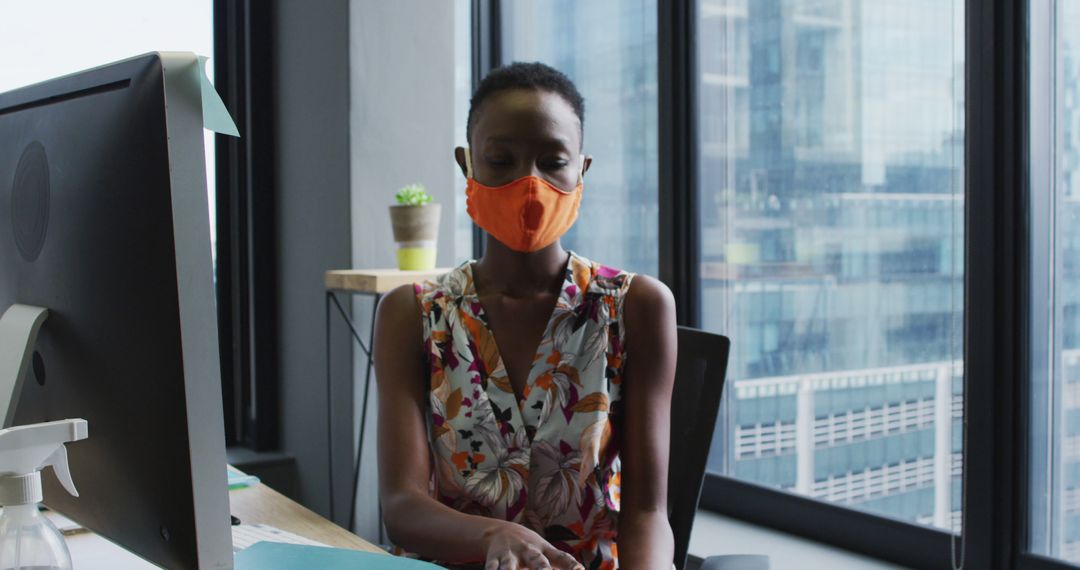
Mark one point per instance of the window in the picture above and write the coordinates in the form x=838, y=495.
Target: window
x=832, y=223
x=51, y=46
x=1055, y=274
x=609, y=49
x=463, y=88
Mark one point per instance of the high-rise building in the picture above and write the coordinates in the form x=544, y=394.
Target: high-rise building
x=832, y=193
x=1065, y=462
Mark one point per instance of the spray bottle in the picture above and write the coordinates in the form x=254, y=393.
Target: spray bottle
x=28, y=540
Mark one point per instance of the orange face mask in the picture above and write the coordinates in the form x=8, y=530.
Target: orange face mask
x=527, y=214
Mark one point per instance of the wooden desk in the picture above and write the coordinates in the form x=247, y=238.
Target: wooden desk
x=257, y=504
x=262, y=505
x=375, y=281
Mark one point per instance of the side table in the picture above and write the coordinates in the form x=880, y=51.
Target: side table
x=374, y=283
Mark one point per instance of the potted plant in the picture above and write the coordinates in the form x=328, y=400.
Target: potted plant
x=415, y=220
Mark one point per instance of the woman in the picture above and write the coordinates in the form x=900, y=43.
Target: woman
x=524, y=399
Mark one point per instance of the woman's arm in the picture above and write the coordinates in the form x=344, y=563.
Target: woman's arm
x=414, y=520
x=645, y=539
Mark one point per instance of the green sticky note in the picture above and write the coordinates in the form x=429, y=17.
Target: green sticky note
x=215, y=116
x=277, y=555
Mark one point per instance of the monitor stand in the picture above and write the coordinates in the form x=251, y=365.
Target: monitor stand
x=19, y=328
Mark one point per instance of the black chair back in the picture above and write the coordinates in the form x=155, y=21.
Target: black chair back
x=695, y=404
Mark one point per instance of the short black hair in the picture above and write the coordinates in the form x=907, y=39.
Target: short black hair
x=521, y=75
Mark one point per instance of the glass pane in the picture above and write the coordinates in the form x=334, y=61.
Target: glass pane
x=48, y=46
x=608, y=48
x=463, y=226
x=1055, y=257
x=831, y=141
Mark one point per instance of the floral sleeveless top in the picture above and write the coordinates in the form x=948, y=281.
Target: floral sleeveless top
x=549, y=462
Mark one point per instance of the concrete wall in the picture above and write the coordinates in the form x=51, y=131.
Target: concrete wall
x=365, y=105
x=312, y=201
x=403, y=126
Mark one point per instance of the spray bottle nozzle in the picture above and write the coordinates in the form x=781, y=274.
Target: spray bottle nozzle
x=25, y=450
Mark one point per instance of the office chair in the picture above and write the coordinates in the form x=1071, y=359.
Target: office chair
x=695, y=404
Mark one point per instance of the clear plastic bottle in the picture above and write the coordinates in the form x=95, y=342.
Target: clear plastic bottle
x=30, y=541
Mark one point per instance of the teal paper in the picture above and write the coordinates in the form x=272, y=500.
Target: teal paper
x=239, y=480
x=281, y=556
x=215, y=116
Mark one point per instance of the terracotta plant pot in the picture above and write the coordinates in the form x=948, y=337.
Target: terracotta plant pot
x=416, y=230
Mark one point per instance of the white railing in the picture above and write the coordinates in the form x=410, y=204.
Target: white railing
x=762, y=440
x=871, y=423
x=844, y=379
x=877, y=482
x=887, y=419
x=1071, y=501
x=809, y=432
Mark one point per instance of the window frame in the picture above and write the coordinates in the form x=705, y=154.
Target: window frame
x=679, y=227
x=1038, y=128
x=487, y=54
x=245, y=179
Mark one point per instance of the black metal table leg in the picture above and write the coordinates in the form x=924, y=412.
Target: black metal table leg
x=329, y=408
x=363, y=418
x=331, y=297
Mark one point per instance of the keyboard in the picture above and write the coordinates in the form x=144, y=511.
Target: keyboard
x=244, y=535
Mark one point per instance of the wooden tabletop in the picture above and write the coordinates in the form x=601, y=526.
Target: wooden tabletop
x=260, y=504
x=375, y=281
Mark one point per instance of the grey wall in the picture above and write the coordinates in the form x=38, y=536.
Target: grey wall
x=311, y=61
x=365, y=105
x=402, y=63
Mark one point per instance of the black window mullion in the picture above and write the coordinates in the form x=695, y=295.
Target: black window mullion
x=678, y=172
x=486, y=56
x=228, y=80
x=995, y=280
x=246, y=290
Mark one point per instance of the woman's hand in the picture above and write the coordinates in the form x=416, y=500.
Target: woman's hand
x=511, y=546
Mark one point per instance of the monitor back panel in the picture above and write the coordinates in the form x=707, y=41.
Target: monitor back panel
x=86, y=230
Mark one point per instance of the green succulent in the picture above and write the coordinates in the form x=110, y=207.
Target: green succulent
x=413, y=195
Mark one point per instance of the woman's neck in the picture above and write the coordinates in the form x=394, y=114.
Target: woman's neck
x=504, y=271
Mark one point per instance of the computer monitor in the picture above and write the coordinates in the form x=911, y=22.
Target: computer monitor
x=104, y=221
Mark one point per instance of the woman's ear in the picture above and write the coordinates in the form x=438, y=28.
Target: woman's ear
x=459, y=156
x=586, y=165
